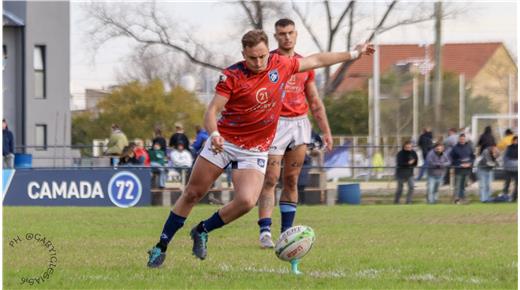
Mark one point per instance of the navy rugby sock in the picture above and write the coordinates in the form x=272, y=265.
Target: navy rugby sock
x=265, y=224
x=171, y=226
x=288, y=211
x=213, y=223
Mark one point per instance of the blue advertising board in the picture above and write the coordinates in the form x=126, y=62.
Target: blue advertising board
x=122, y=187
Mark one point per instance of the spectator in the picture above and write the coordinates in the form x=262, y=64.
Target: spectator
x=406, y=161
x=462, y=158
x=8, y=146
x=180, y=157
x=486, y=167
x=506, y=141
x=426, y=144
x=449, y=143
x=158, y=138
x=511, y=168
x=127, y=157
x=451, y=140
x=140, y=153
x=179, y=137
x=200, y=139
x=316, y=141
x=157, y=161
x=486, y=139
x=438, y=161
x=117, y=141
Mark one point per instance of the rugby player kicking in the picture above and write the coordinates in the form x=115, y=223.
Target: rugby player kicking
x=249, y=97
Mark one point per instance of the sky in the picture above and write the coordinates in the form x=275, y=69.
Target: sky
x=219, y=26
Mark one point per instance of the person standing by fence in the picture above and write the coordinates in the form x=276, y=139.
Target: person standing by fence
x=511, y=168
x=8, y=146
x=486, y=167
x=438, y=161
x=426, y=144
x=462, y=158
x=406, y=162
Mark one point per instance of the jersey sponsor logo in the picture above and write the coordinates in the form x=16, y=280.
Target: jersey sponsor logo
x=262, y=96
x=292, y=80
x=273, y=76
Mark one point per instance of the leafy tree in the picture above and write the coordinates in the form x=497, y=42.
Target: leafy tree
x=138, y=108
x=348, y=114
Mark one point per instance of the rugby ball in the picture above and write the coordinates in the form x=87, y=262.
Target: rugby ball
x=294, y=243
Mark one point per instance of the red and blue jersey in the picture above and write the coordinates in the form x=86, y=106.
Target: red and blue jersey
x=250, y=116
x=295, y=101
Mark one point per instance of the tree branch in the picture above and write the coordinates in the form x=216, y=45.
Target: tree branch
x=347, y=9
x=351, y=27
x=307, y=26
x=336, y=81
x=148, y=32
x=249, y=13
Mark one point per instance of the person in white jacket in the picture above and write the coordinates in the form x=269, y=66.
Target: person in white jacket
x=180, y=157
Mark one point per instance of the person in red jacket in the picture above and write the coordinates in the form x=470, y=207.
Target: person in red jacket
x=140, y=153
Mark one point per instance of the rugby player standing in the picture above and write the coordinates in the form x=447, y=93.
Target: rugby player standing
x=292, y=136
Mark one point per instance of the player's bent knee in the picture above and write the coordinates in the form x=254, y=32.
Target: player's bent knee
x=291, y=182
x=270, y=180
x=246, y=204
x=192, y=195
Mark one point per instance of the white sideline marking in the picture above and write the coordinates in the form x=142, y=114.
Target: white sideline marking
x=363, y=274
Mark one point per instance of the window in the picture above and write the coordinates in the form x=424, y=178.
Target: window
x=39, y=72
x=41, y=137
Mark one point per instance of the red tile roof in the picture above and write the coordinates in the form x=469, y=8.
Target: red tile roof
x=466, y=58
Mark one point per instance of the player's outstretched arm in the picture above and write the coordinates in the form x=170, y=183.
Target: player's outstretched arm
x=318, y=112
x=318, y=60
x=210, y=121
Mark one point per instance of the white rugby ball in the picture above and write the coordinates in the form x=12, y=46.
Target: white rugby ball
x=294, y=243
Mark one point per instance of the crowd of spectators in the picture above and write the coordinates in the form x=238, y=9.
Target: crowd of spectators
x=177, y=157
x=456, y=154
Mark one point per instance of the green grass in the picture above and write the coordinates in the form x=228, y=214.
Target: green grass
x=419, y=246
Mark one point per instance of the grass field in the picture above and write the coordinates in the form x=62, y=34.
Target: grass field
x=419, y=246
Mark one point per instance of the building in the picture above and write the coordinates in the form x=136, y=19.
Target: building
x=36, y=78
x=488, y=68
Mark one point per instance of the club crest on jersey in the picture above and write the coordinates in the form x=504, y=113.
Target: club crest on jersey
x=222, y=78
x=261, y=162
x=273, y=76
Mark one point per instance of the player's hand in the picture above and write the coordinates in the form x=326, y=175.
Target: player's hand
x=365, y=48
x=327, y=142
x=217, y=144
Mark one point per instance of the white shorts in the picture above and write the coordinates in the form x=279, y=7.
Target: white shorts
x=238, y=158
x=290, y=133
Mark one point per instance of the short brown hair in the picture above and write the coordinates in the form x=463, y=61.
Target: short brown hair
x=284, y=22
x=254, y=37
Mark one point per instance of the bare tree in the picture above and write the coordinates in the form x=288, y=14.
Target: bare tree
x=332, y=27
x=258, y=11
x=148, y=27
x=420, y=12
x=156, y=63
